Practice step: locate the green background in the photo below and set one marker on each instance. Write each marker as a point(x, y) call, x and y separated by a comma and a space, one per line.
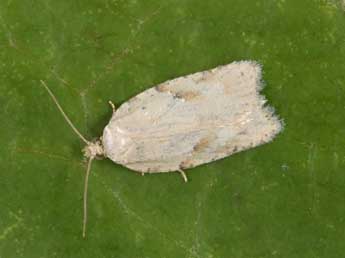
point(283, 199)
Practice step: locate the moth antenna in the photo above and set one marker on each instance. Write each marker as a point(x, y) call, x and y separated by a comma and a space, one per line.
point(63, 113)
point(85, 194)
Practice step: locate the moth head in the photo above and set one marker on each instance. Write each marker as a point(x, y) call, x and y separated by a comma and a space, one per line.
point(94, 150)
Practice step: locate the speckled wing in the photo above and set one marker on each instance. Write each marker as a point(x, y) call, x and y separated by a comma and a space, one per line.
point(191, 120)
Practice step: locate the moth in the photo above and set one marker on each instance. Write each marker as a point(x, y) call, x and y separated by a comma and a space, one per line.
point(185, 122)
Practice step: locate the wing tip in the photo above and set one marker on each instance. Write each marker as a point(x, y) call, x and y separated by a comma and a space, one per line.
point(277, 121)
point(267, 109)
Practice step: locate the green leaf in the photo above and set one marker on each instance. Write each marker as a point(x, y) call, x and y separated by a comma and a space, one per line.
point(283, 199)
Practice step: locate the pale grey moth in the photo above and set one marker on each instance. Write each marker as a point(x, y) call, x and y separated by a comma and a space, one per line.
point(185, 122)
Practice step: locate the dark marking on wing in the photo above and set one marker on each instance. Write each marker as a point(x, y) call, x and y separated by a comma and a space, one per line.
point(188, 163)
point(201, 145)
point(228, 149)
point(162, 88)
point(179, 94)
point(205, 75)
point(187, 95)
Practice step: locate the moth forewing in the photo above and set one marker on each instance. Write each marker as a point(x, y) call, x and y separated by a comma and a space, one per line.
point(191, 120)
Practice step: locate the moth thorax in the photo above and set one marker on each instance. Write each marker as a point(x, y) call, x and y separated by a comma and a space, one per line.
point(94, 149)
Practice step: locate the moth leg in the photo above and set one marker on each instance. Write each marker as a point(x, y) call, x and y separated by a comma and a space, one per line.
point(183, 174)
point(112, 106)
